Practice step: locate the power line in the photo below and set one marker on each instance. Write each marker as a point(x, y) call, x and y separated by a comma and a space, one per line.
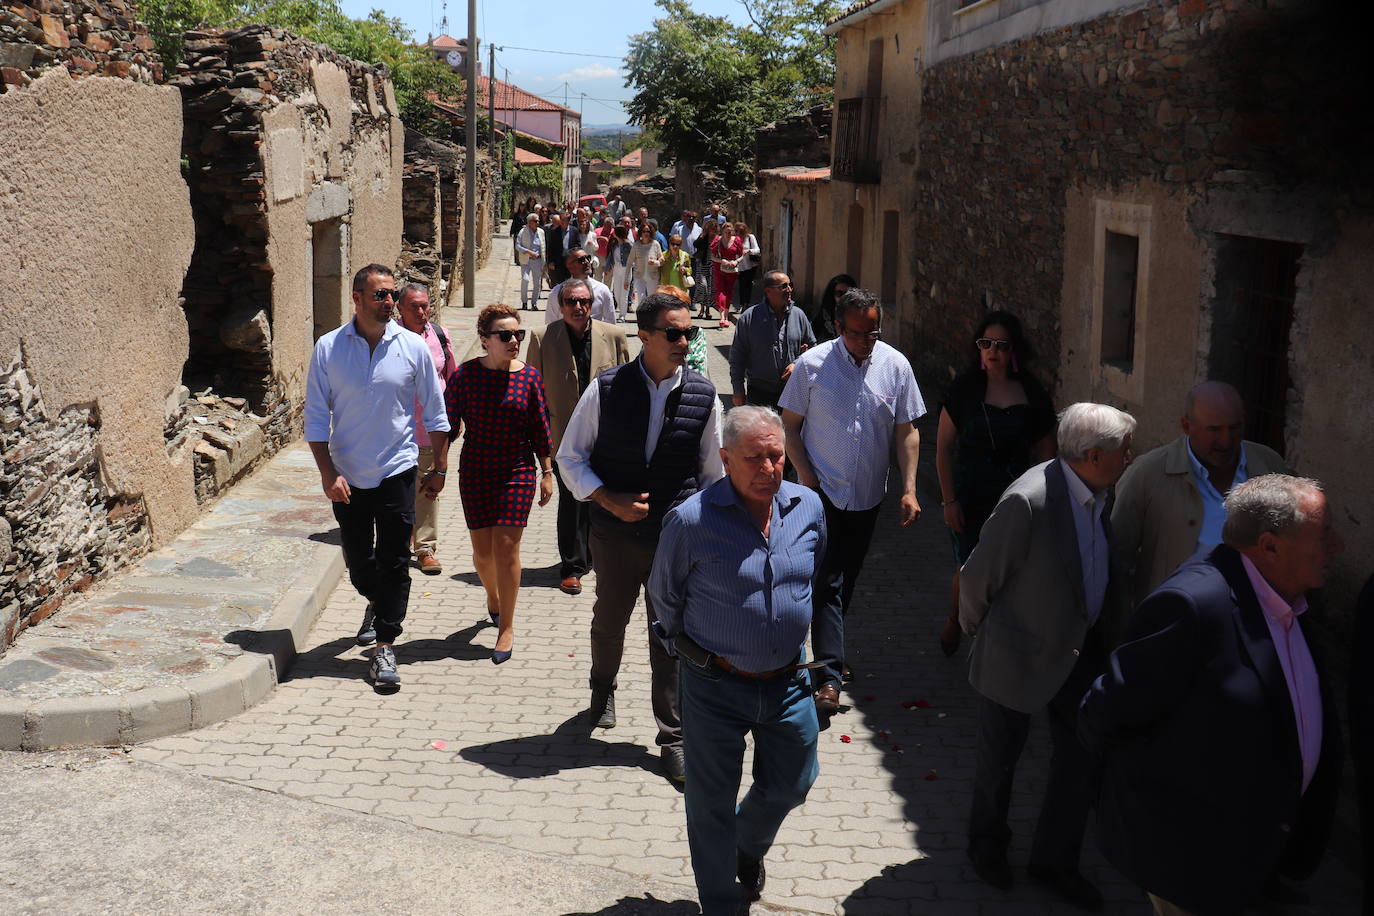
point(567, 53)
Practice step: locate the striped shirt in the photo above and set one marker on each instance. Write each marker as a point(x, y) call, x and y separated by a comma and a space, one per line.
point(739, 595)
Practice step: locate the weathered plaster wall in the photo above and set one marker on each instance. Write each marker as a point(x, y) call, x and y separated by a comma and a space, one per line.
point(1167, 358)
point(901, 31)
point(95, 235)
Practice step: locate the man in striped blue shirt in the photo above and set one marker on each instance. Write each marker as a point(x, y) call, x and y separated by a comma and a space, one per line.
point(732, 583)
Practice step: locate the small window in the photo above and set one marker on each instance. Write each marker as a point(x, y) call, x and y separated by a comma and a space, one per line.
point(1120, 266)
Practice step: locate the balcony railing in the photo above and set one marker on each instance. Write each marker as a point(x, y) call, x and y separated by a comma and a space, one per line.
point(856, 142)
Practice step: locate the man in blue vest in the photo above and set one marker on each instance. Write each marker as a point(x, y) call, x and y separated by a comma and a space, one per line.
point(644, 437)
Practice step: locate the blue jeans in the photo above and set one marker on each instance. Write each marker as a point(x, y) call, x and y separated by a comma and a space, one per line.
point(718, 710)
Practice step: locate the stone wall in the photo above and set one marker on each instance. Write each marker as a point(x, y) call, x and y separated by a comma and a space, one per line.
point(439, 175)
point(1190, 96)
point(801, 139)
point(95, 236)
point(61, 527)
point(88, 38)
point(294, 156)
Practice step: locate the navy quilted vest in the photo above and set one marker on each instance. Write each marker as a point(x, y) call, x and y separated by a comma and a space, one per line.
point(618, 456)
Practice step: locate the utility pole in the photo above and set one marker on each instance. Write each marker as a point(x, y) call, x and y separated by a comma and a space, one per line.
point(470, 167)
point(491, 102)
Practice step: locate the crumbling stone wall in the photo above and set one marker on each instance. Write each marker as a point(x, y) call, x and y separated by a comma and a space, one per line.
point(1191, 96)
point(294, 156)
point(61, 526)
point(95, 236)
point(799, 139)
point(438, 168)
point(88, 38)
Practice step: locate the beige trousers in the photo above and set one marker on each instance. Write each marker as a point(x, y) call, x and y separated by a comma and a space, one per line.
point(426, 534)
point(1165, 908)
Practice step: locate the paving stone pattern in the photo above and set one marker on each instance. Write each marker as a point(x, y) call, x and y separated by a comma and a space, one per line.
point(881, 833)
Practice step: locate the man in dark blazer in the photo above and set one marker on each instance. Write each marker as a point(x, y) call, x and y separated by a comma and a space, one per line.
point(1033, 594)
point(1222, 750)
point(570, 353)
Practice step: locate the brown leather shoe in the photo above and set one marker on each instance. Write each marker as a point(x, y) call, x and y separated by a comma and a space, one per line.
point(571, 586)
point(828, 699)
point(430, 565)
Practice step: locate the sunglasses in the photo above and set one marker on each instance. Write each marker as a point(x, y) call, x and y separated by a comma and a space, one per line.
point(676, 334)
point(381, 295)
point(507, 336)
point(859, 335)
point(585, 259)
point(987, 343)
point(577, 300)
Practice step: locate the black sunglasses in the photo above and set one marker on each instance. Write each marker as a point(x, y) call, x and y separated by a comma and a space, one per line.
point(676, 334)
point(577, 300)
point(987, 343)
point(381, 295)
point(586, 259)
point(506, 336)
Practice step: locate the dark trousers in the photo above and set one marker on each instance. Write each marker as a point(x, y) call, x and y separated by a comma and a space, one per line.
point(375, 526)
point(761, 397)
point(746, 287)
point(622, 563)
point(1002, 735)
point(847, 536)
point(574, 523)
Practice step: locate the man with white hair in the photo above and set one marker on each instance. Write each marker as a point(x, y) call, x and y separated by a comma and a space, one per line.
point(732, 586)
point(1033, 592)
point(529, 248)
point(1221, 744)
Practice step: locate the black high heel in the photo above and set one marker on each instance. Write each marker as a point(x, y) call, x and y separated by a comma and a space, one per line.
point(500, 658)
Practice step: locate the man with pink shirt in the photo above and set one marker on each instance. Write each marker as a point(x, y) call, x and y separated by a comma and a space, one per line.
point(414, 311)
point(1221, 745)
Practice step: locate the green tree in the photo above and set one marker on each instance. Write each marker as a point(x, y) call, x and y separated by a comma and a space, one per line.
point(377, 39)
point(704, 86)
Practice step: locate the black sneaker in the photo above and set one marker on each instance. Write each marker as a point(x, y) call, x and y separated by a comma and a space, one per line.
point(751, 874)
point(367, 633)
point(383, 669)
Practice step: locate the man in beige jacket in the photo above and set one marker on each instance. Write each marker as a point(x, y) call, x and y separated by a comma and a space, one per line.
point(570, 353)
point(1168, 503)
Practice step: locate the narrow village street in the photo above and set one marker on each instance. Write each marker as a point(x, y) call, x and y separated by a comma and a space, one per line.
point(479, 789)
point(358, 786)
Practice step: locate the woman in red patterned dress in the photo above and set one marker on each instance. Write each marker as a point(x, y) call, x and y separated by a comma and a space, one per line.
point(501, 399)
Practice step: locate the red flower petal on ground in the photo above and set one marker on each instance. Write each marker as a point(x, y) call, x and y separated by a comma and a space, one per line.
point(845, 738)
point(882, 734)
point(438, 745)
point(572, 655)
point(897, 748)
point(922, 704)
point(930, 777)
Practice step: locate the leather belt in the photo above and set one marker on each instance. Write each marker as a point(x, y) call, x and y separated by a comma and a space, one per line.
point(764, 675)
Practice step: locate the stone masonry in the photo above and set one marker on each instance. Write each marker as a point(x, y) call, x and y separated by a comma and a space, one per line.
point(60, 525)
point(88, 38)
point(1196, 95)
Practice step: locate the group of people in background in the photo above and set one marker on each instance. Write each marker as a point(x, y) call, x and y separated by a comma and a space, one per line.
point(1162, 635)
point(715, 260)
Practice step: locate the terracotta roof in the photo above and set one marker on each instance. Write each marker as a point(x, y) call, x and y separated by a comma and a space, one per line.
point(514, 98)
point(850, 10)
point(797, 173)
point(632, 160)
point(811, 175)
point(525, 157)
point(456, 112)
point(447, 42)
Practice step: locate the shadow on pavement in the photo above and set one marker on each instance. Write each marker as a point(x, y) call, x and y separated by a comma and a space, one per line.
point(570, 746)
point(648, 905)
point(331, 536)
point(546, 577)
point(457, 645)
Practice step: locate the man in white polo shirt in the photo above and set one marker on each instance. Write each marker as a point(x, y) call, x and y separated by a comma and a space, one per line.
point(846, 403)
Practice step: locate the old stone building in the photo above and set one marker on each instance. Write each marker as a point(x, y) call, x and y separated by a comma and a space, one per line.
point(1164, 191)
point(133, 274)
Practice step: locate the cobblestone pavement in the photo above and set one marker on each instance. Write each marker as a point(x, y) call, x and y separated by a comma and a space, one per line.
point(503, 753)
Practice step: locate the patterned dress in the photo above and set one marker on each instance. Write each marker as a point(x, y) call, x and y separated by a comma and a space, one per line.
point(507, 424)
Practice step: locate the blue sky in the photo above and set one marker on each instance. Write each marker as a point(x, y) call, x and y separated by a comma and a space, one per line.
point(595, 32)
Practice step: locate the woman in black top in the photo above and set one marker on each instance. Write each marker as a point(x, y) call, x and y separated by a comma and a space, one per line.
point(823, 321)
point(996, 422)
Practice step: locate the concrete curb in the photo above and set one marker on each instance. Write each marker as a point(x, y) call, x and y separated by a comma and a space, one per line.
point(155, 712)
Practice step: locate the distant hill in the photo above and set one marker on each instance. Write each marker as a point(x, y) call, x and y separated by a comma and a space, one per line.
point(593, 130)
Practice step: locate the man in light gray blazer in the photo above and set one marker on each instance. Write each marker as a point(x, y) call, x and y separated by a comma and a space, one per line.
point(1032, 593)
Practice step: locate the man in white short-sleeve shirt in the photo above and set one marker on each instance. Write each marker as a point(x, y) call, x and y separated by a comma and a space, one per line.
point(847, 402)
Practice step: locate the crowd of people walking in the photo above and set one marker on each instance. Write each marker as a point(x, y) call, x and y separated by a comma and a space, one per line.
point(1161, 632)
